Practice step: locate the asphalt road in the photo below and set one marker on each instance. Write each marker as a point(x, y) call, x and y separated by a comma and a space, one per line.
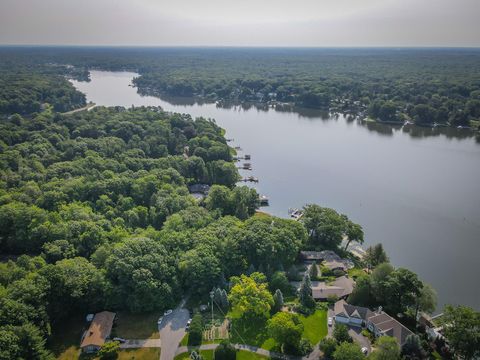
point(172, 331)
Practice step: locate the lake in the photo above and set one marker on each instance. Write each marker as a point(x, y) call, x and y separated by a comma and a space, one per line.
point(416, 190)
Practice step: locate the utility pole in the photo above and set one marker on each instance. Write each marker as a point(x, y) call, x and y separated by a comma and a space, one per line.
point(212, 294)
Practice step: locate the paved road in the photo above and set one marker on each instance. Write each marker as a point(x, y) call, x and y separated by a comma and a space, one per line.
point(172, 331)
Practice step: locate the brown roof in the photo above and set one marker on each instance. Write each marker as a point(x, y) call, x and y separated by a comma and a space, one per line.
point(391, 327)
point(99, 329)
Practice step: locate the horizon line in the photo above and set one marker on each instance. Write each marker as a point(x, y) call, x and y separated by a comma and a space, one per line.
point(247, 46)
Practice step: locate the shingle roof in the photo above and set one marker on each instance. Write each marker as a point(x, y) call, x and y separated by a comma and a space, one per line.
point(390, 326)
point(99, 329)
point(342, 286)
point(343, 308)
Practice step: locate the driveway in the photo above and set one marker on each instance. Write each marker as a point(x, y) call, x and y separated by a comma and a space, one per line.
point(356, 334)
point(353, 331)
point(172, 331)
point(331, 314)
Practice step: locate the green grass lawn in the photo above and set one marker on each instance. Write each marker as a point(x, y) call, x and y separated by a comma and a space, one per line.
point(208, 355)
point(139, 354)
point(65, 339)
point(137, 326)
point(251, 332)
point(315, 326)
point(247, 355)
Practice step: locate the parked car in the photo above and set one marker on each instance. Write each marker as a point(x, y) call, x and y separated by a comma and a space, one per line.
point(364, 350)
point(168, 312)
point(189, 322)
point(160, 320)
point(330, 321)
point(119, 339)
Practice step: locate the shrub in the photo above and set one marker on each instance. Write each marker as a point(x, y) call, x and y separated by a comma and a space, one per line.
point(225, 351)
point(196, 330)
point(109, 350)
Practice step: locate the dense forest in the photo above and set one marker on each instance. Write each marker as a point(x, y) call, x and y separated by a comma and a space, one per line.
point(99, 202)
point(95, 211)
point(425, 86)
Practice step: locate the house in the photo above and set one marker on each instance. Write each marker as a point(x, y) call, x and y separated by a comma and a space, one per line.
point(99, 330)
point(199, 191)
point(340, 288)
point(329, 258)
point(382, 324)
point(379, 323)
point(350, 314)
point(335, 265)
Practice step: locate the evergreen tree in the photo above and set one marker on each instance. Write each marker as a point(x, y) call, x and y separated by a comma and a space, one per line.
point(225, 303)
point(277, 301)
point(292, 273)
point(305, 293)
point(217, 297)
point(250, 270)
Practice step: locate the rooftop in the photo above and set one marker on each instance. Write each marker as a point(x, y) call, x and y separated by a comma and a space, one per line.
point(99, 329)
point(390, 326)
point(342, 308)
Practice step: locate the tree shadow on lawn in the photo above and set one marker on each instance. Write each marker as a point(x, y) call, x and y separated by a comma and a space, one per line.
point(251, 332)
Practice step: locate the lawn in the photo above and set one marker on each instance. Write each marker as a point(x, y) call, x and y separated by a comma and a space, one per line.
point(251, 332)
point(137, 326)
point(139, 354)
point(65, 339)
point(208, 355)
point(315, 326)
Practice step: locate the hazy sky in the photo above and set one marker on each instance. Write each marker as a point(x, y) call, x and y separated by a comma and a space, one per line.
point(241, 22)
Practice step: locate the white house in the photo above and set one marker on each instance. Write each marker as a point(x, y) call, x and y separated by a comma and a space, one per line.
point(351, 315)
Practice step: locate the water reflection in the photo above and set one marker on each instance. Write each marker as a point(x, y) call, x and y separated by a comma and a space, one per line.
point(316, 114)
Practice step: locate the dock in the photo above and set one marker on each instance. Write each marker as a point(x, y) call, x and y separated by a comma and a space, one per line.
point(263, 200)
point(249, 179)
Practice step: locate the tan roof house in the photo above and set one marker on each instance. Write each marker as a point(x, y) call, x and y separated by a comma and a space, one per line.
point(383, 324)
point(99, 330)
point(340, 288)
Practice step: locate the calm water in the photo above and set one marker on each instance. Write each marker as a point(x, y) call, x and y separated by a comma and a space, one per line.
point(415, 190)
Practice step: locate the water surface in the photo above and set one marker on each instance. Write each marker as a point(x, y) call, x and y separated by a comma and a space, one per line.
point(415, 190)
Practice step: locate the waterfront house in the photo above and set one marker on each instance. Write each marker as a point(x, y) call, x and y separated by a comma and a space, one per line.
point(351, 315)
point(382, 324)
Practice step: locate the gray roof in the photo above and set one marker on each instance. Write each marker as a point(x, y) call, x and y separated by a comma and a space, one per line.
point(342, 308)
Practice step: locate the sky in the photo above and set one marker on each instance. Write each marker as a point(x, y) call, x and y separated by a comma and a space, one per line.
point(241, 22)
